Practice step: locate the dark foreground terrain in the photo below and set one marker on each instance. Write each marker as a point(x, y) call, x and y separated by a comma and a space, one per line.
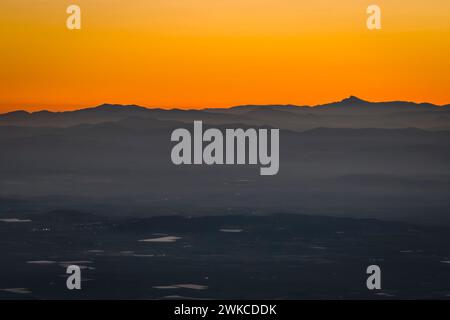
point(221, 257)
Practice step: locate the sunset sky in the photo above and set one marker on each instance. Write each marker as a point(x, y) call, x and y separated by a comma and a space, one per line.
point(219, 53)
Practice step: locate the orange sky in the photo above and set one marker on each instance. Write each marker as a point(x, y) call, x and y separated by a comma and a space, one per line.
point(218, 53)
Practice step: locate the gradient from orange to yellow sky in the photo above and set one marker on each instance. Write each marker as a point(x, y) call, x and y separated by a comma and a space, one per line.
point(219, 53)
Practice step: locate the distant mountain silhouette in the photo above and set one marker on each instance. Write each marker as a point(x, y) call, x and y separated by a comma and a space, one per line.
point(351, 112)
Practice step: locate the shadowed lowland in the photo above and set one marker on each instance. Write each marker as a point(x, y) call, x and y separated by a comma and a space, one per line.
point(221, 257)
point(358, 183)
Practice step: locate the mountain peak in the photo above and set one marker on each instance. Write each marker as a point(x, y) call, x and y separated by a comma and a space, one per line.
point(353, 99)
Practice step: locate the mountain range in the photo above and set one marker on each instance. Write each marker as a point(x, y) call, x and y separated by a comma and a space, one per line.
point(353, 158)
point(351, 112)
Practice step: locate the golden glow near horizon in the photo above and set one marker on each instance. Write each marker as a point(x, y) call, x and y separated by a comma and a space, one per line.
point(219, 53)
